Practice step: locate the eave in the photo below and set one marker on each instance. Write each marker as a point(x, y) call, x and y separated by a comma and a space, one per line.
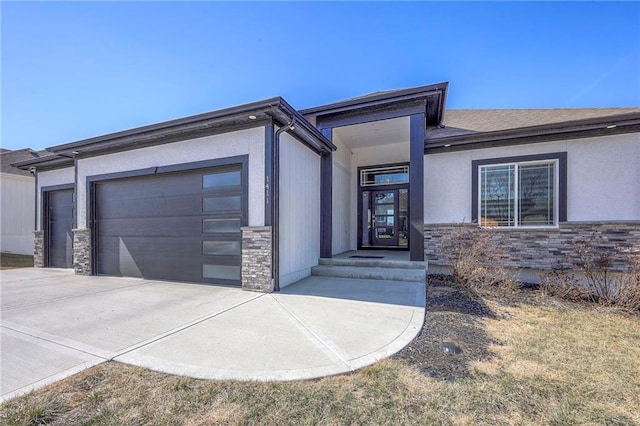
point(274, 110)
point(592, 127)
point(429, 100)
point(49, 162)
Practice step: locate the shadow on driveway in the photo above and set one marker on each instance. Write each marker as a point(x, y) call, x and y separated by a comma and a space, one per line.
point(374, 291)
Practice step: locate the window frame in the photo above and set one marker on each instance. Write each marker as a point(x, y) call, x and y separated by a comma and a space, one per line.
point(560, 194)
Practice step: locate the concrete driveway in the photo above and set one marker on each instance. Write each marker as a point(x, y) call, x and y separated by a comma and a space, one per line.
point(55, 323)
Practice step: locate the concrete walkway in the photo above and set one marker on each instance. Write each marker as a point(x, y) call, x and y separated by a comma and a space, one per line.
point(55, 324)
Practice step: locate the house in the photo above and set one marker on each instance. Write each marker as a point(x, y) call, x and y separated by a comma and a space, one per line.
point(17, 189)
point(255, 194)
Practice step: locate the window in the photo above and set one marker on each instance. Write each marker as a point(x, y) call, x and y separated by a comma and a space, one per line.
point(525, 191)
point(219, 179)
point(221, 204)
point(384, 175)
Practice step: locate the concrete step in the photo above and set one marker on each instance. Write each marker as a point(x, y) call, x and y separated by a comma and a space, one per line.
point(371, 273)
point(373, 263)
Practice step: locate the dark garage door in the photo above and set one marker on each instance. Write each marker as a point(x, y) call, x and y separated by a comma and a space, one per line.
point(174, 226)
point(58, 225)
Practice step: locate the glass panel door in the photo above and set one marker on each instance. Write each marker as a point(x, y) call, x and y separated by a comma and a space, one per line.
point(385, 220)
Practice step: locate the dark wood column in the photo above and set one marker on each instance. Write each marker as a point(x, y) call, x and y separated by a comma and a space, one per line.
point(326, 202)
point(416, 187)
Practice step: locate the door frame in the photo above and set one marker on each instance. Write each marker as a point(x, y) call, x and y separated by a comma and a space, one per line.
point(44, 201)
point(372, 188)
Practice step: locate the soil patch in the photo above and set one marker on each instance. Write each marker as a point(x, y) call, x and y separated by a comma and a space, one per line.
point(453, 319)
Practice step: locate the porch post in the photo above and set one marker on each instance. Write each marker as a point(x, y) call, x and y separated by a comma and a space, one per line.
point(416, 187)
point(326, 204)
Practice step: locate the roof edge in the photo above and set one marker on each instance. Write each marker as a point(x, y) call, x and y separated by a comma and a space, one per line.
point(43, 163)
point(309, 129)
point(238, 117)
point(616, 124)
point(413, 92)
point(176, 123)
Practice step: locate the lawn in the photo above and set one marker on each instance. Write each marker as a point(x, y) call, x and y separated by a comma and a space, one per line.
point(526, 359)
point(11, 261)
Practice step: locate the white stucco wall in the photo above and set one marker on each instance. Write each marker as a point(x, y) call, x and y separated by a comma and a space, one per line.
point(299, 210)
point(341, 203)
point(231, 144)
point(381, 154)
point(603, 178)
point(52, 178)
point(17, 200)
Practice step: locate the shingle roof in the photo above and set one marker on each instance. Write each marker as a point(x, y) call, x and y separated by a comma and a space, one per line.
point(9, 157)
point(467, 121)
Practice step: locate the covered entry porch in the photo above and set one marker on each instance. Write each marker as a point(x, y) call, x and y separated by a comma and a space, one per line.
point(372, 189)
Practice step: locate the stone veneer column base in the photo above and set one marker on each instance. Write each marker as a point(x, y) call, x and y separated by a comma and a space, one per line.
point(257, 258)
point(38, 249)
point(82, 251)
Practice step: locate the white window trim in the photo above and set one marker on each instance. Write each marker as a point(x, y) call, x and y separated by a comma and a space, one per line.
point(517, 164)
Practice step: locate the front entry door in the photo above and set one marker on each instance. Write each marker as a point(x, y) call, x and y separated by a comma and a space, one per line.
point(385, 218)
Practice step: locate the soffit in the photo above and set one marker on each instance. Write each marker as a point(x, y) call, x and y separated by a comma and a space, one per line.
point(375, 133)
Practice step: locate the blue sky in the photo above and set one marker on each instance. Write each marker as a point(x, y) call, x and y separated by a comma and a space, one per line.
point(75, 70)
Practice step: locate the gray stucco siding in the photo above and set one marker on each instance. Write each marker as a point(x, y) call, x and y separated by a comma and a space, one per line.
point(603, 177)
point(243, 142)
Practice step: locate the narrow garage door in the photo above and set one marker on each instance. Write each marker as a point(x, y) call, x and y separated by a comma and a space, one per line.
point(173, 226)
point(58, 225)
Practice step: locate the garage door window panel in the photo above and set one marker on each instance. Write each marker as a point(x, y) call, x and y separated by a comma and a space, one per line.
point(220, 226)
point(221, 248)
point(220, 204)
point(222, 179)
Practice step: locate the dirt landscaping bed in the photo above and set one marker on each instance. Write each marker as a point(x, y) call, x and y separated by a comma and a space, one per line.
point(513, 357)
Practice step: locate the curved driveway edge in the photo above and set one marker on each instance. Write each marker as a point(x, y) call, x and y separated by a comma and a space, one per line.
point(55, 323)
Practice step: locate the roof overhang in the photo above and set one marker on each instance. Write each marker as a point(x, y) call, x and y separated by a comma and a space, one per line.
point(429, 100)
point(49, 162)
point(26, 178)
point(576, 129)
point(274, 110)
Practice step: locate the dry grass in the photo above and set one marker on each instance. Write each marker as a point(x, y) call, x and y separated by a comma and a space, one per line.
point(552, 365)
point(12, 261)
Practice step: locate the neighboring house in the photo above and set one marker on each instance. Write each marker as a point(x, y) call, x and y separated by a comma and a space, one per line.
point(17, 189)
point(254, 195)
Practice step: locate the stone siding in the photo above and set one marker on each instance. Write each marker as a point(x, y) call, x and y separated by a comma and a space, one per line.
point(82, 251)
point(257, 259)
point(545, 248)
point(38, 249)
